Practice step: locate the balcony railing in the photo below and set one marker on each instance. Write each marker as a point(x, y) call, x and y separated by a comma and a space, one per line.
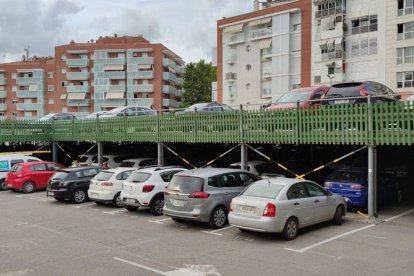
point(117, 88)
point(141, 102)
point(111, 75)
point(110, 61)
point(141, 60)
point(77, 88)
point(3, 107)
point(3, 81)
point(168, 89)
point(365, 29)
point(77, 75)
point(166, 62)
point(141, 75)
point(78, 102)
point(232, 59)
point(28, 94)
point(142, 88)
point(77, 62)
point(259, 33)
point(170, 103)
point(179, 69)
point(28, 80)
point(3, 94)
point(235, 38)
point(29, 106)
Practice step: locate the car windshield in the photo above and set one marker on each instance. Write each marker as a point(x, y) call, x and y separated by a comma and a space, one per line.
point(199, 106)
point(138, 177)
point(16, 168)
point(103, 176)
point(186, 184)
point(47, 117)
point(116, 110)
point(60, 175)
point(345, 90)
point(263, 189)
point(292, 97)
point(127, 164)
point(344, 176)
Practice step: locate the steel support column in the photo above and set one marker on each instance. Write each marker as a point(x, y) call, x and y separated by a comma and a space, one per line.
point(54, 151)
point(372, 183)
point(160, 152)
point(243, 157)
point(100, 153)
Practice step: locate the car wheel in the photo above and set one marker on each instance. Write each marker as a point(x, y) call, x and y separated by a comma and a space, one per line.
point(156, 206)
point(117, 202)
point(218, 217)
point(28, 187)
point(178, 220)
point(290, 231)
point(3, 185)
point(131, 208)
point(79, 196)
point(337, 219)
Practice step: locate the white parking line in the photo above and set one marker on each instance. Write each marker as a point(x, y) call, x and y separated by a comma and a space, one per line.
point(159, 221)
point(346, 233)
point(19, 196)
point(83, 205)
point(214, 232)
point(114, 212)
point(141, 266)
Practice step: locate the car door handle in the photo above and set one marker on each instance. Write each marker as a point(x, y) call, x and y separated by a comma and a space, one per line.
point(316, 201)
point(296, 203)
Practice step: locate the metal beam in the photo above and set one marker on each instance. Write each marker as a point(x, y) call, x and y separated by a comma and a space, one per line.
point(100, 153)
point(54, 151)
point(160, 151)
point(372, 184)
point(243, 157)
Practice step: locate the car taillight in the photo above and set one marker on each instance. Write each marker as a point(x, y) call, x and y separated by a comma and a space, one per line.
point(358, 186)
point(148, 188)
point(107, 184)
point(363, 92)
point(199, 195)
point(105, 165)
point(270, 210)
point(328, 184)
point(231, 206)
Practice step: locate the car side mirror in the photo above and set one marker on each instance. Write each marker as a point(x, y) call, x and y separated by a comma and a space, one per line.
point(328, 193)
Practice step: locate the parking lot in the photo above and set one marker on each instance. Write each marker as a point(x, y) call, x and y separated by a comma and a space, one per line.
point(41, 236)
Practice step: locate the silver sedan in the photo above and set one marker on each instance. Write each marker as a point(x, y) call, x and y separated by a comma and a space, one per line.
point(285, 205)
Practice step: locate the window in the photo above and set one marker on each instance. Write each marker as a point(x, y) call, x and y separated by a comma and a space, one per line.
point(331, 70)
point(83, 109)
point(365, 24)
point(123, 175)
point(248, 67)
point(314, 190)
point(52, 167)
point(405, 7)
point(405, 79)
point(51, 101)
point(297, 191)
point(405, 31)
point(167, 176)
point(14, 88)
point(364, 47)
point(14, 76)
point(14, 114)
point(63, 83)
point(63, 57)
point(14, 101)
point(248, 48)
point(50, 75)
point(247, 179)
point(405, 55)
point(296, 27)
point(317, 79)
point(50, 88)
point(38, 167)
point(214, 182)
point(16, 161)
point(89, 172)
point(229, 180)
point(63, 70)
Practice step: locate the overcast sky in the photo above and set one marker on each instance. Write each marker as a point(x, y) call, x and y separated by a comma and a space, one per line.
point(187, 27)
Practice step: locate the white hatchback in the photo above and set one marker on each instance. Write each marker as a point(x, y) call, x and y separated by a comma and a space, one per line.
point(106, 186)
point(145, 188)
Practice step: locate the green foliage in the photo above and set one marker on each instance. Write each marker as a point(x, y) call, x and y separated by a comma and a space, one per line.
point(197, 82)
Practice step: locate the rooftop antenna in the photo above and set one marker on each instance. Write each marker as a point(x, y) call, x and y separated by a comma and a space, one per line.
point(27, 52)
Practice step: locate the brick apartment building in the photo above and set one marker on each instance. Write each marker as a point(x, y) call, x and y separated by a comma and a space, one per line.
point(93, 76)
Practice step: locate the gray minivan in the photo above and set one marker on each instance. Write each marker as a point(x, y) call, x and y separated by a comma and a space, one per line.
point(204, 194)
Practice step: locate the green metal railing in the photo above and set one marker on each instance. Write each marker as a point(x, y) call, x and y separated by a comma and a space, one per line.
point(378, 124)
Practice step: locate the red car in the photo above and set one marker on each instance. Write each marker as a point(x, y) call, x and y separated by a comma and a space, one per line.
point(31, 176)
point(306, 96)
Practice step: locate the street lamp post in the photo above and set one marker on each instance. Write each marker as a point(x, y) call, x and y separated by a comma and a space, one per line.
point(330, 77)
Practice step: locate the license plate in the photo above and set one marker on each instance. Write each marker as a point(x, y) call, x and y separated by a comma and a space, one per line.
point(50, 193)
point(9, 185)
point(130, 200)
point(247, 209)
point(179, 203)
point(341, 101)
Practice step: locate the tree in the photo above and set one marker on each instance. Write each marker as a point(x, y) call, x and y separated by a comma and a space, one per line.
point(197, 82)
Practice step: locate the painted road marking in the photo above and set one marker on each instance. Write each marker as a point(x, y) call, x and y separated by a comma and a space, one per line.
point(114, 212)
point(214, 232)
point(347, 233)
point(159, 221)
point(18, 272)
point(83, 205)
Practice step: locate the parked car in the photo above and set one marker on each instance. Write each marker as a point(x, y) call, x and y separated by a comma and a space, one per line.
point(204, 194)
point(302, 97)
point(208, 107)
point(8, 161)
point(57, 116)
point(71, 183)
point(343, 93)
point(28, 177)
point(145, 188)
point(260, 168)
point(352, 183)
point(128, 111)
point(137, 163)
point(94, 115)
point(106, 186)
point(87, 160)
point(111, 161)
point(284, 205)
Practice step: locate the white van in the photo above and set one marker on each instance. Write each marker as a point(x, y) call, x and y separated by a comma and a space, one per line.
point(7, 161)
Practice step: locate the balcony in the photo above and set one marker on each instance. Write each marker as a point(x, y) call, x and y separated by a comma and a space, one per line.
point(267, 53)
point(115, 75)
point(141, 60)
point(110, 61)
point(260, 33)
point(28, 94)
point(141, 75)
point(110, 102)
point(78, 102)
point(3, 107)
point(141, 102)
point(3, 94)
point(166, 62)
point(77, 75)
point(169, 76)
point(77, 62)
point(3, 81)
point(117, 88)
point(180, 70)
point(170, 103)
point(235, 39)
point(28, 80)
point(77, 88)
point(168, 89)
point(142, 88)
point(267, 92)
point(29, 106)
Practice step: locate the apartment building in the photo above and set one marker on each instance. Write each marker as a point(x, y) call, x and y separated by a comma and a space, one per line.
point(93, 76)
point(263, 54)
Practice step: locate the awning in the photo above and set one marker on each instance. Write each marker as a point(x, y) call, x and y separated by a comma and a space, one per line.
point(76, 96)
point(338, 43)
point(63, 96)
point(324, 46)
point(234, 28)
point(260, 21)
point(114, 95)
point(265, 43)
point(330, 64)
point(144, 66)
point(115, 67)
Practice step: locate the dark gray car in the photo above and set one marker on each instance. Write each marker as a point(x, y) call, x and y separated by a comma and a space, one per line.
point(204, 194)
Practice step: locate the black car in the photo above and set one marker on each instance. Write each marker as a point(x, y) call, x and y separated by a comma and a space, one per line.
point(358, 92)
point(71, 183)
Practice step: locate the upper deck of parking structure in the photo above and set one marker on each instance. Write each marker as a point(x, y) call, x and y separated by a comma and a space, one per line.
point(361, 124)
